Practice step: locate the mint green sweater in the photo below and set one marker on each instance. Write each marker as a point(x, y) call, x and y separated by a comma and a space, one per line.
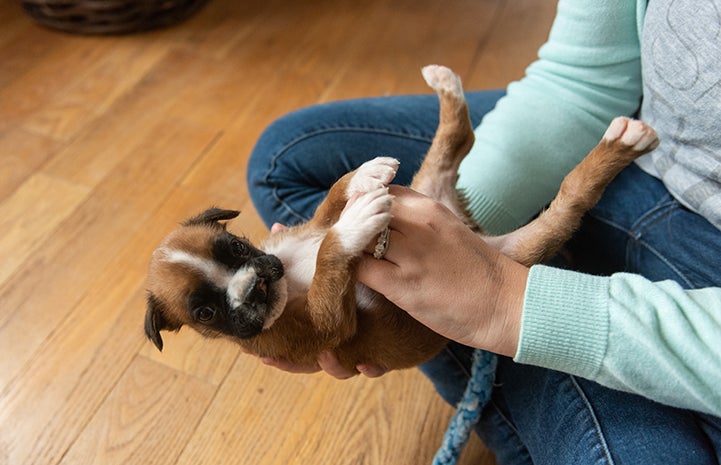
point(623, 331)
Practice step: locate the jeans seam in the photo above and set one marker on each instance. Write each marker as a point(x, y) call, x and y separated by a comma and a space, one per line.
point(596, 424)
point(663, 259)
point(308, 135)
point(507, 421)
point(649, 219)
point(458, 363)
point(641, 223)
point(654, 215)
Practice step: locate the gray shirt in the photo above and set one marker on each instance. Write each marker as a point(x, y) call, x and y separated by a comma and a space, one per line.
point(681, 60)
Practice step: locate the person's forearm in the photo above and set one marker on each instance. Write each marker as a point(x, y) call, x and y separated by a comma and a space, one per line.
point(626, 332)
point(588, 72)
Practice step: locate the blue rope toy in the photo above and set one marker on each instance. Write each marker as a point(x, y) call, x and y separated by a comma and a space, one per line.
point(477, 394)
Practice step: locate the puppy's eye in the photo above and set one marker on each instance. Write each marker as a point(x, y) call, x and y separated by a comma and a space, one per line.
point(205, 314)
point(239, 248)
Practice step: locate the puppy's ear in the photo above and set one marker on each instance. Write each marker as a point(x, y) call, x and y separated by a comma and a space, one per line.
point(212, 215)
point(155, 321)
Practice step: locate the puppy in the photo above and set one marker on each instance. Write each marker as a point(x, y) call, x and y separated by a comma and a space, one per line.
point(296, 294)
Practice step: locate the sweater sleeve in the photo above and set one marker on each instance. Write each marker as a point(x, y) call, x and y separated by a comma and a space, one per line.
point(587, 73)
point(626, 332)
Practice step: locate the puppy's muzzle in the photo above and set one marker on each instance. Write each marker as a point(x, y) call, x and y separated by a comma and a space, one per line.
point(248, 313)
point(268, 267)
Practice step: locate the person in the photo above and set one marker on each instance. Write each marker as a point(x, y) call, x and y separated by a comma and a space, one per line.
point(612, 356)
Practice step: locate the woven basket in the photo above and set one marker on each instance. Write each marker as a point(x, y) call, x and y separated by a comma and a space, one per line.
point(109, 16)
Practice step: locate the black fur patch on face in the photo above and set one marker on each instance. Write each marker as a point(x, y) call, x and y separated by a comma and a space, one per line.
point(233, 251)
point(208, 306)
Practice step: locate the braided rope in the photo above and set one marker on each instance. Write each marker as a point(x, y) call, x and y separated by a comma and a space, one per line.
point(477, 394)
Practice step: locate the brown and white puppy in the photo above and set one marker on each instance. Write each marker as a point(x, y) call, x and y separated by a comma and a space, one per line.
point(296, 294)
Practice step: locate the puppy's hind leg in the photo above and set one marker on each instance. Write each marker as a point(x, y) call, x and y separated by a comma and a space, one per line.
point(624, 141)
point(453, 139)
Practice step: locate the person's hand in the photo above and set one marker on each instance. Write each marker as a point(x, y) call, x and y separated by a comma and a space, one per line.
point(447, 277)
point(328, 362)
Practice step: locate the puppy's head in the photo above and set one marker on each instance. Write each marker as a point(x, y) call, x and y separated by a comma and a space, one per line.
point(203, 276)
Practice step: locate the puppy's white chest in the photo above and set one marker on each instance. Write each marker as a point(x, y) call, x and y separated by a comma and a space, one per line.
point(298, 255)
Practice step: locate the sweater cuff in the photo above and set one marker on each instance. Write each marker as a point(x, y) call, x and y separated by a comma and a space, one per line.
point(565, 321)
point(487, 213)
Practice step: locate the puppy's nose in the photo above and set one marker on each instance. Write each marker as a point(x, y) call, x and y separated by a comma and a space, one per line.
point(268, 267)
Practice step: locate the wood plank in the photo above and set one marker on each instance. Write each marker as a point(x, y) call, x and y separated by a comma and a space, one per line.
point(89, 94)
point(117, 209)
point(132, 426)
point(221, 26)
point(75, 367)
point(30, 215)
point(22, 44)
point(70, 375)
point(65, 61)
point(387, 60)
point(502, 58)
point(368, 429)
point(132, 121)
point(307, 425)
point(21, 154)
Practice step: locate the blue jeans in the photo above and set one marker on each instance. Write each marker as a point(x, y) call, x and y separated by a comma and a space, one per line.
point(535, 416)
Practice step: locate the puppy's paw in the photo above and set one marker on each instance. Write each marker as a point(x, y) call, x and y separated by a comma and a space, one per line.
point(373, 175)
point(442, 79)
point(361, 221)
point(634, 134)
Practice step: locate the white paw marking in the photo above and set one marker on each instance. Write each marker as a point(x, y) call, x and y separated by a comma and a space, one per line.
point(616, 128)
point(373, 175)
point(442, 79)
point(362, 221)
point(632, 133)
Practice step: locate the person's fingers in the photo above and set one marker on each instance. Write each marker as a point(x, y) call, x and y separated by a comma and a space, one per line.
point(395, 247)
point(328, 362)
point(277, 227)
point(371, 371)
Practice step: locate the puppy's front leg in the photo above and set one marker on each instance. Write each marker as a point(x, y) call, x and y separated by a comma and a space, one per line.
point(371, 175)
point(331, 297)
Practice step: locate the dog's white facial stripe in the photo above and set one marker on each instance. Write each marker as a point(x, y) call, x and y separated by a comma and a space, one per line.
point(240, 285)
point(212, 271)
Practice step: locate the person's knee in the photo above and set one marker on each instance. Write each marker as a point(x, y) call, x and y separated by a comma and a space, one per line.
point(276, 136)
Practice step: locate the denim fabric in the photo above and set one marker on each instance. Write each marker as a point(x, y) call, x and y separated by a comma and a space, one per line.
point(302, 154)
point(536, 416)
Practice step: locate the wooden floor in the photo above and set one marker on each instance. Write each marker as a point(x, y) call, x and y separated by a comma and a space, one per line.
point(107, 142)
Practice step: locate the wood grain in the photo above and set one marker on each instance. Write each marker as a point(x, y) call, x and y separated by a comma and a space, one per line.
point(107, 142)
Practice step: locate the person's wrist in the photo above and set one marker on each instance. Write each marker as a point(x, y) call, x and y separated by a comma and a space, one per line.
point(504, 326)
